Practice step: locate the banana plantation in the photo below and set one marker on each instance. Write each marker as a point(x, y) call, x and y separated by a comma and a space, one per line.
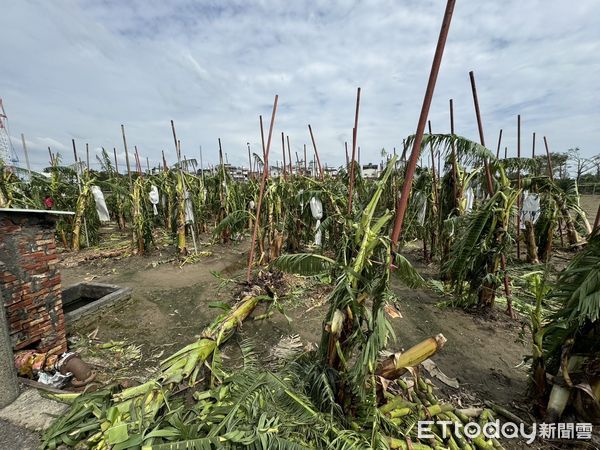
point(445, 298)
point(359, 387)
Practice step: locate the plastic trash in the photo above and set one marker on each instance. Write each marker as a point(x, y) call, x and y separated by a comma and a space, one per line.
point(56, 380)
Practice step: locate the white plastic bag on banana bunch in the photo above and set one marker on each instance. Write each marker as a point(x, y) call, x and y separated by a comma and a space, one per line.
point(316, 208)
point(189, 208)
point(101, 208)
point(530, 211)
point(154, 198)
point(421, 203)
point(469, 198)
point(300, 192)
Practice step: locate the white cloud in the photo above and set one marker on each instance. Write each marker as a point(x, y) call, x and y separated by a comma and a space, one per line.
point(79, 70)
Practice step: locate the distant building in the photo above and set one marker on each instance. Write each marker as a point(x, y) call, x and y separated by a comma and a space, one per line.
point(370, 171)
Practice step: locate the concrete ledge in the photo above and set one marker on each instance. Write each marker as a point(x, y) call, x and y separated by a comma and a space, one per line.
point(32, 411)
point(95, 296)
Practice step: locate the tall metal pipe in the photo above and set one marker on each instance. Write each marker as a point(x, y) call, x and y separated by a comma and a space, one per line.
point(402, 202)
point(354, 139)
point(488, 172)
point(262, 188)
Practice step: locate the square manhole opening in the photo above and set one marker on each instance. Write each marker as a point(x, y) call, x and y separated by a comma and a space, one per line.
point(82, 299)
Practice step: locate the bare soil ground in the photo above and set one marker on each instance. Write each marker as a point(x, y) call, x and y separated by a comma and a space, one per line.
point(170, 307)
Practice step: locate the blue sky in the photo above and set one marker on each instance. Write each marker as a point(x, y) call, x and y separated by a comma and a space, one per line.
point(80, 69)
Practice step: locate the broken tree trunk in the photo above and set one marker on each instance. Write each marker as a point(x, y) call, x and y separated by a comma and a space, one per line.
point(398, 363)
point(530, 242)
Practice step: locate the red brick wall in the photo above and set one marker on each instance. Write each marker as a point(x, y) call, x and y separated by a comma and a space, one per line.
point(30, 282)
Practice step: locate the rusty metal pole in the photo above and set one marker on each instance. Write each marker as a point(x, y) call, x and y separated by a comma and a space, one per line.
point(305, 162)
point(87, 156)
point(533, 153)
point(126, 154)
point(165, 168)
point(402, 202)
point(490, 187)
point(549, 160)
point(488, 173)
point(249, 162)
point(519, 186)
point(354, 139)
point(551, 175)
point(499, 143)
point(287, 138)
point(454, 161)
point(262, 188)
point(347, 157)
point(116, 161)
point(138, 164)
point(312, 138)
point(283, 150)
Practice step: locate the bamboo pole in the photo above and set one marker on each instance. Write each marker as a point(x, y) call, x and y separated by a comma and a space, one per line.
point(87, 156)
point(402, 202)
point(26, 154)
point(354, 139)
point(312, 138)
point(262, 188)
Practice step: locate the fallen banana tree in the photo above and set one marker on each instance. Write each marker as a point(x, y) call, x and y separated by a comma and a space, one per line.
point(119, 420)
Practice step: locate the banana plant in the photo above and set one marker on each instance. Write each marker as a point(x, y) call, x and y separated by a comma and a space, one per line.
point(482, 240)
